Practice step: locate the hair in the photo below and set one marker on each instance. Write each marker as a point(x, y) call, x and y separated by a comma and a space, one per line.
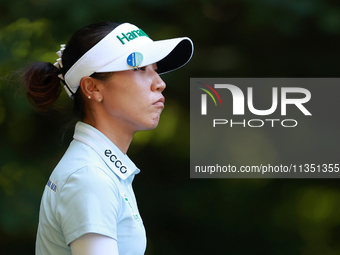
point(41, 79)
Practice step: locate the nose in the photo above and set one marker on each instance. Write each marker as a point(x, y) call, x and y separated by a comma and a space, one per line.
point(158, 84)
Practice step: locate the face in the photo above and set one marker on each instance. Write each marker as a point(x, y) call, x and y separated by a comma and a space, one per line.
point(133, 99)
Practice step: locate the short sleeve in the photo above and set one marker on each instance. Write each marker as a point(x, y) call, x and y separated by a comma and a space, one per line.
point(88, 203)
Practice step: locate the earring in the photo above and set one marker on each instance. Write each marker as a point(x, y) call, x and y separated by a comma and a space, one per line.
point(99, 100)
point(89, 97)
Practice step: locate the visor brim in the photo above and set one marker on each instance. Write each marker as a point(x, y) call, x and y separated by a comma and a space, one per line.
point(169, 55)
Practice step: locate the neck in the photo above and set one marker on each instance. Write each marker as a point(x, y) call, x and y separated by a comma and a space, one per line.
point(115, 132)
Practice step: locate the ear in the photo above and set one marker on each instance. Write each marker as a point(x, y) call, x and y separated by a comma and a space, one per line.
point(91, 88)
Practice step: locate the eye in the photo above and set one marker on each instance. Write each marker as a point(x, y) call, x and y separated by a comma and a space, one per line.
point(139, 68)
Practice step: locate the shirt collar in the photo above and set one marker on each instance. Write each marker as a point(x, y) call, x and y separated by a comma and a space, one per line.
point(114, 158)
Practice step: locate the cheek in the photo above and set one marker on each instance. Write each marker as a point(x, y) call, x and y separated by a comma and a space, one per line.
point(118, 98)
point(130, 106)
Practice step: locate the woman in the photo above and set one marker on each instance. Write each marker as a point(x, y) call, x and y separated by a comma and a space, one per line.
point(112, 72)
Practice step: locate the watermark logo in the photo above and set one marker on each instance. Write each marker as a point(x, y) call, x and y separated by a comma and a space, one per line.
point(239, 98)
point(280, 98)
point(204, 97)
point(264, 127)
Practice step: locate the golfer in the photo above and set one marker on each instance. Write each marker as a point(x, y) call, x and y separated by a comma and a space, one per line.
point(111, 71)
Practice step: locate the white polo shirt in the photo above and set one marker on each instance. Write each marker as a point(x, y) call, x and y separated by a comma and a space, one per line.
point(90, 192)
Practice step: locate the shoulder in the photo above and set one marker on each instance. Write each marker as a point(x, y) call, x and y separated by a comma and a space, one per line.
point(89, 187)
point(80, 162)
point(92, 177)
point(81, 171)
point(77, 156)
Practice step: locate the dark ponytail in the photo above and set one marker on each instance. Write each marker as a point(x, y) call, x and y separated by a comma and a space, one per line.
point(43, 85)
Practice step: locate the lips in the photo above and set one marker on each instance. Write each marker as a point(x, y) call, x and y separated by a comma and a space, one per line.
point(160, 102)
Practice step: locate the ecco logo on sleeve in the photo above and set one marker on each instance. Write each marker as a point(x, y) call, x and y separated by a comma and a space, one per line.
point(52, 186)
point(114, 159)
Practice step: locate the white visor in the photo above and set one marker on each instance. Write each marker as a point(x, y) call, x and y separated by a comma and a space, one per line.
point(128, 47)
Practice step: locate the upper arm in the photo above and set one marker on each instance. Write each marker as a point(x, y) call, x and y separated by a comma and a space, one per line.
point(94, 244)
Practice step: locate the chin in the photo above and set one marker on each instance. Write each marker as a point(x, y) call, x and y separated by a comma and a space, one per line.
point(149, 123)
point(149, 126)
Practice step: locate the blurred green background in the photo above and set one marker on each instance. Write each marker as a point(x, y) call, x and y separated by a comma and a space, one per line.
point(240, 38)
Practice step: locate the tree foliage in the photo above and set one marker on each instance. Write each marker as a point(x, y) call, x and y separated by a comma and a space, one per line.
point(235, 38)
